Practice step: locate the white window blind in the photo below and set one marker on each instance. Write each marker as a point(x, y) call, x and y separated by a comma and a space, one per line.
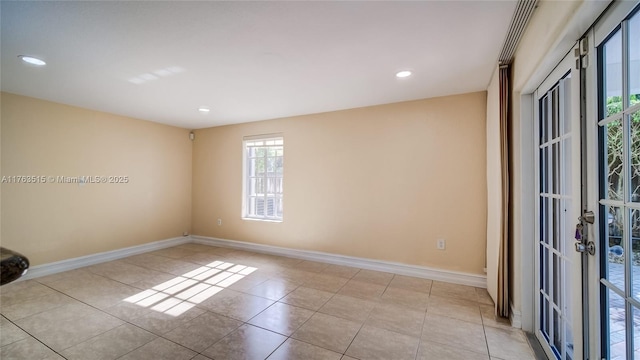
point(263, 177)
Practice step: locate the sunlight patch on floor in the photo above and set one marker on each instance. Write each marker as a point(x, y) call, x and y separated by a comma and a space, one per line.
point(182, 293)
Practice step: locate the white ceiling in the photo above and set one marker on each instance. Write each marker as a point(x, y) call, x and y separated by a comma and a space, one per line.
point(247, 61)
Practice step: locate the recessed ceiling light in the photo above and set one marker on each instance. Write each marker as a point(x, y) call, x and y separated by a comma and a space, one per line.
point(403, 73)
point(31, 60)
point(203, 109)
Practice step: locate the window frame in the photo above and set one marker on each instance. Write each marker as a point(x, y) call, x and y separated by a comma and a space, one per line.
point(247, 176)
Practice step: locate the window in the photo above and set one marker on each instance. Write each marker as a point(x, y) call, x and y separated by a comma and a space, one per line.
point(263, 176)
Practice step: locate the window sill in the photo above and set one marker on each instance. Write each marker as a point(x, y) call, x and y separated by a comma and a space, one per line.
point(262, 220)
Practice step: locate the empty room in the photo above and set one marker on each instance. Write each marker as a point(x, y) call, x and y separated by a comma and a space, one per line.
point(320, 180)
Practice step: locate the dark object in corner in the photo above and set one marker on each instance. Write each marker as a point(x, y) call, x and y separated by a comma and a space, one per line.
point(12, 265)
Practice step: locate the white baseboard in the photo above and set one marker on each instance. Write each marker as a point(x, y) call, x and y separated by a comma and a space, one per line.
point(515, 316)
point(362, 263)
point(71, 264)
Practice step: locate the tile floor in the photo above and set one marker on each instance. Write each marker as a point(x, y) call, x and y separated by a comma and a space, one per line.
point(201, 302)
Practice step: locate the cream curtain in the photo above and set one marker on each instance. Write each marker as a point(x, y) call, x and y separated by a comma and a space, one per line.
point(502, 301)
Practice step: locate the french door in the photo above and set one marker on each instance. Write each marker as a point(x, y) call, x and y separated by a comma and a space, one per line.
point(559, 280)
point(617, 43)
point(587, 300)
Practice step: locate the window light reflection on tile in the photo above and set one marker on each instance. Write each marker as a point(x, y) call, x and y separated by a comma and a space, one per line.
point(166, 305)
point(237, 268)
point(168, 284)
point(224, 266)
point(216, 279)
point(230, 280)
point(175, 296)
point(192, 291)
point(196, 272)
point(179, 309)
point(152, 299)
point(207, 274)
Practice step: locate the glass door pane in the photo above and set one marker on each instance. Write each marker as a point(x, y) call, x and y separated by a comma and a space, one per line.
point(619, 127)
point(556, 222)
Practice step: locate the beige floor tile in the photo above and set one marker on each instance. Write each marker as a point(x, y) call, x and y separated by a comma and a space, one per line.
point(28, 348)
point(434, 351)
point(221, 250)
point(311, 266)
point(463, 292)
point(294, 275)
point(362, 290)
point(457, 333)
point(160, 349)
point(273, 289)
point(349, 308)
point(328, 332)
point(373, 343)
point(325, 282)
point(104, 294)
point(127, 311)
point(248, 282)
point(484, 297)
point(371, 313)
point(246, 342)
point(203, 331)
point(346, 272)
point(162, 264)
point(293, 350)
point(16, 310)
point(397, 319)
point(20, 291)
point(236, 305)
point(311, 299)
point(413, 299)
point(282, 318)
point(153, 281)
point(204, 258)
point(196, 247)
point(201, 357)
point(374, 277)
point(9, 333)
point(68, 325)
point(160, 323)
point(124, 272)
point(73, 279)
point(175, 252)
point(285, 261)
point(411, 283)
point(240, 256)
point(508, 344)
point(489, 317)
point(111, 344)
point(455, 308)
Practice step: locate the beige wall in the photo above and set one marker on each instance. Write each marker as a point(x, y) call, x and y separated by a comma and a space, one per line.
point(494, 184)
point(51, 222)
point(380, 182)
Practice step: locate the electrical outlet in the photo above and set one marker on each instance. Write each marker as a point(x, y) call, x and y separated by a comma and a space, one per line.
point(219, 222)
point(440, 244)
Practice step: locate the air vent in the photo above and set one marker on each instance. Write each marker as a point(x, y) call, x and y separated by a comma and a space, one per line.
point(519, 22)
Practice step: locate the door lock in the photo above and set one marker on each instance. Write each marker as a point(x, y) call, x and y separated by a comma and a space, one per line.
point(588, 217)
point(582, 244)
